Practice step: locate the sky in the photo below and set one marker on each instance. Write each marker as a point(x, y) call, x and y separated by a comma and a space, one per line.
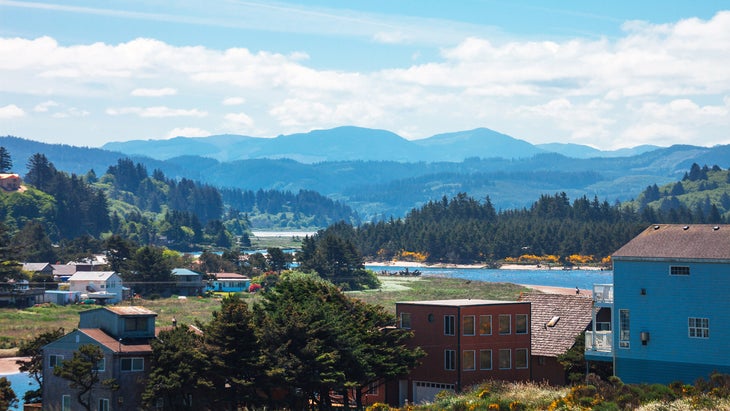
point(605, 74)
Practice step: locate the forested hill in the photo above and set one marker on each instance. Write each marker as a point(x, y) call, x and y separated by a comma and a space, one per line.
point(380, 189)
point(552, 230)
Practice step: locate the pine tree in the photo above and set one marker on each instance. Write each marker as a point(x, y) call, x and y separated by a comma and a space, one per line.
point(6, 162)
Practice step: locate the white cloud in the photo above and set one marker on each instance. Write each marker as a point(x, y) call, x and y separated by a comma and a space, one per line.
point(654, 80)
point(233, 101)
point(45, 106)
point(239, 118)
point(158, 111)
point(187, 132)
point(11, 111)
point(153, 92)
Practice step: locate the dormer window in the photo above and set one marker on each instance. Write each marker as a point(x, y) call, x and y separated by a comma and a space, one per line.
point(135, 324)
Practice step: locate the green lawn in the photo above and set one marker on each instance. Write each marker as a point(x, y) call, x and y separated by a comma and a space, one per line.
point(19, 325)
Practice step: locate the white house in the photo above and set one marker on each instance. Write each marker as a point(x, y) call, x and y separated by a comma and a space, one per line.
point(104, 286)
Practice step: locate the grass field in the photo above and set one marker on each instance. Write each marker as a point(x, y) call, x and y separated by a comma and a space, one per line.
point(20, 325)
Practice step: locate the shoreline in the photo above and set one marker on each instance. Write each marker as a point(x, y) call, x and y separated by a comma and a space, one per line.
point(8, 365)
point(533, 267)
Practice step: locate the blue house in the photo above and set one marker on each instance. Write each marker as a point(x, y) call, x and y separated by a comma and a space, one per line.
point(669, 306)
point(229, 282)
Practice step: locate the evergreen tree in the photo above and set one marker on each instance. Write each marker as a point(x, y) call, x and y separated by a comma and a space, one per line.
point(34, 245)
point(233, 351)
point(149, 270)
point(180, 371)
point(82, 372)
point(8, 398)
point(33, 349)
point(6, 162)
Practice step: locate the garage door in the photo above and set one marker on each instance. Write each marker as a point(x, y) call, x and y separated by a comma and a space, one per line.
point(424, 391)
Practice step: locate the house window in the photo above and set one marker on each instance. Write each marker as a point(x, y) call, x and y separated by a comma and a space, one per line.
point(679, 270)
point(699, 327)
point(505, 359)
point(135, 324)
point(485, 325)
point(103, 404)
point(132, 364)
point(54, 360)
point(469, 325)
point(448, 325)
point(405, 320)
point(521, 324)
point(449, 360)
point(372, 388)
point(521, 358)
point(66, 403)
point(603, 326)
point(624, 323)
point(101, 365)
point(505, 324)
point(468, 360)
point(485, 359)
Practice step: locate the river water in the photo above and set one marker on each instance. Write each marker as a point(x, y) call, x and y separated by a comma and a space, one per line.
point(583, 279)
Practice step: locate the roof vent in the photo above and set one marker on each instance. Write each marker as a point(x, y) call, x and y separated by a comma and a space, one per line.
point(656, 227)
point(715, 228)
point(685, 228)
point(553, 321)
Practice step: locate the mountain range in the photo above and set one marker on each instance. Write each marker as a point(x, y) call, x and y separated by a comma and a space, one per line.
point(355, 143)
point(380, 174)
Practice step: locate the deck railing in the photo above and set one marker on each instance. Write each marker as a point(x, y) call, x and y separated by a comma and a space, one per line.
point(599, 341)
point(603, 293)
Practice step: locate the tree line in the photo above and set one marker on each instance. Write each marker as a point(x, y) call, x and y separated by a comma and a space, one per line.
point(295, 347)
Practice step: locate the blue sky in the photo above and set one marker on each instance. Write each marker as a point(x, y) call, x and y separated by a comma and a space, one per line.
point(606, 74)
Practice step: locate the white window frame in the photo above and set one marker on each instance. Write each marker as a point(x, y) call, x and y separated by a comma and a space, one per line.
point(624, 326)
point(55, 360)
point(103, 404)
point(449, 326)
point(473, 325)
point(403, 323)
point(698, 327)
point(486, 354)
point(518, 353)
point(65, 402)
point(509, 359)
point(469, 356)
point(509, 324)
point(527, 324)
point(679, 270)
point(449, 360)
point(101, 365)
point(132, 361)
point(485, 319)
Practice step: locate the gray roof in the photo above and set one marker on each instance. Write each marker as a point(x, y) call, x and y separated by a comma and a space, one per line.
point(184, 271)
point(91, 276)
point(35, 267)
point(679, 241)
point(574, 314)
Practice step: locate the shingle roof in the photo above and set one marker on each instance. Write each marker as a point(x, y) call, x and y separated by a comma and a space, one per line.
point(128, 310)
point(35, 266)
point(184, 271)
point(63, 269)
point(574, 314)
point(677, 241)
point(115, 345)
point(230, 276)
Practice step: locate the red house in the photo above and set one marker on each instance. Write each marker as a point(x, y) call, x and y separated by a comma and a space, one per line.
point(467, 342)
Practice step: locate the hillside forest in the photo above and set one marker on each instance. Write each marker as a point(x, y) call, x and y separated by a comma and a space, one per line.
point(57, 210)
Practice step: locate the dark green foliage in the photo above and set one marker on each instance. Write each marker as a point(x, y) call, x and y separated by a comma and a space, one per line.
point(234, 353)
point(6, 162)
point(10, 268)
point(149, 271)
point(277, 259)
point(7, 395)
point(33, 244)
point(181, 371)
point(119, 252)
point(332, 254)
point(34, 364)
point(82, 373)
point(316, 340)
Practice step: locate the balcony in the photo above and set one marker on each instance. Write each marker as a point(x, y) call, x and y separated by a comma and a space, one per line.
point(603, 294)
point(599, 344)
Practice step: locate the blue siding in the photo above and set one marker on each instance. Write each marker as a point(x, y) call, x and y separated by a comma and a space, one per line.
point(663, 312)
